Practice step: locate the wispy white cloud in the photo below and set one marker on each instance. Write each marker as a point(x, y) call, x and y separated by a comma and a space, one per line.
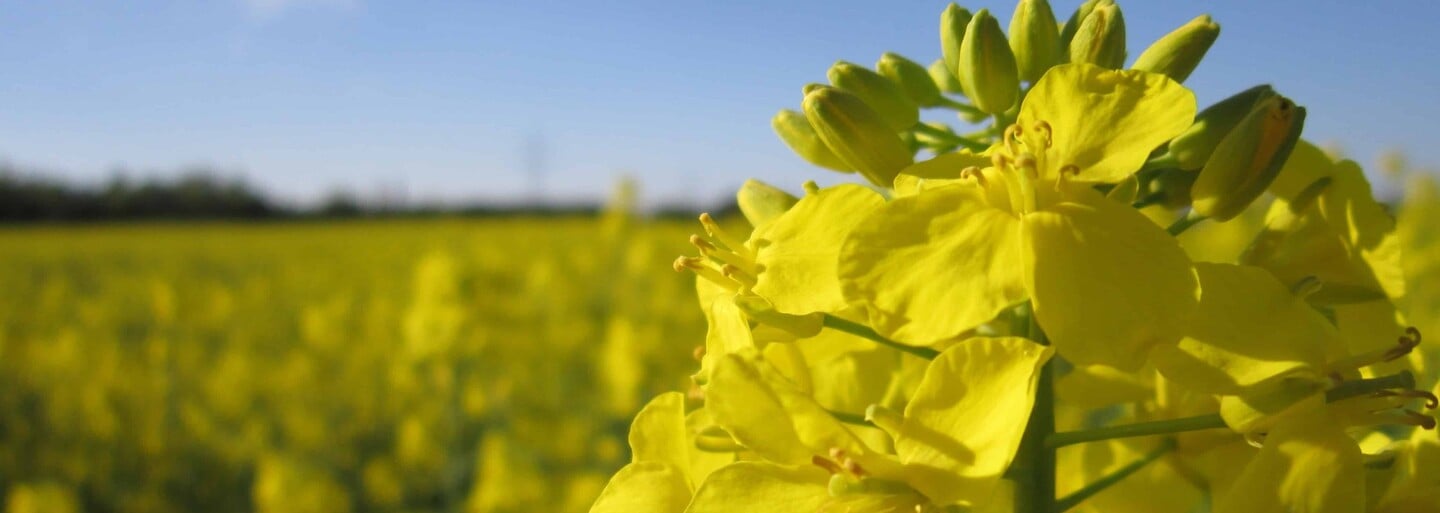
point(271, 8)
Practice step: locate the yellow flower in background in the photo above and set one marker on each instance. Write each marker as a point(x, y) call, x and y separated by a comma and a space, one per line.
point(932, 265)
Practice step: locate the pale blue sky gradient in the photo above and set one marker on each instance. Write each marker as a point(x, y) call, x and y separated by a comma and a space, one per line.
point(301, 96)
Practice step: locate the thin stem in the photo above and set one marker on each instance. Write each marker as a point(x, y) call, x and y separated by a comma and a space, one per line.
point(863, 331)
point(950, 137)
point(849, 418)
point(1074, 499)
point(1185, 223)
point(1158, 427)
point(1149, 199)
point(1033, 470)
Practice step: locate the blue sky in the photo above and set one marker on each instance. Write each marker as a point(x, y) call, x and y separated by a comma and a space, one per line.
point(301, 96)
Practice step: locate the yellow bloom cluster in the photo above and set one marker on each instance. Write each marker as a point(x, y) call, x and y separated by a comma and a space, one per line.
point(1022, 319)
point(426, 365)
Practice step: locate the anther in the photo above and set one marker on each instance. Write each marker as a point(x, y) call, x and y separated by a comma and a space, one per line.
point(701, 244)
point(828, 465)
point(1415, 418)
point(853, 468)
point(976, 173)
point(698, 353)
point(724, 239)
point(1069, 170)
point(1044, 127)
point(1011, 136)
point(1431, 402)
point(697, 266)
point(1406, 343)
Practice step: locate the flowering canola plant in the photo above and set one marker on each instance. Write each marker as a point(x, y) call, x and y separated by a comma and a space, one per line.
point(1018, 317)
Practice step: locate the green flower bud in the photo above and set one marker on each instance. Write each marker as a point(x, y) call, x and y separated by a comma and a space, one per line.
point(1248, 158)
point(1072, 25)
point(987, 67)
point(1193, 146)
point(1174, 186)
point(760, 202)
point(1034, 39)
point(857, 134)
point(1100, 39)
point(810, 87)
point(795, 130)
point(941, 75)
point(876, 91)
point(952, 34)
point(912, 78)
point(1178, 53)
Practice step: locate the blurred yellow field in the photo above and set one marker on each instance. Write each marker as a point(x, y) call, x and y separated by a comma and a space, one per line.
point(434, 365)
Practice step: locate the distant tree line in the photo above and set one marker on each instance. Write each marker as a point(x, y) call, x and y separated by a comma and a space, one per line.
point(204, 193)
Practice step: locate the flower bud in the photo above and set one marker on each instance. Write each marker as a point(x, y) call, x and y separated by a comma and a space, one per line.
point(952, 34)
point(795, 130)
point(760, 202)
point(912, 78)
point(810, 87)
point(1248, 158)
point(1100, 39)
point(1178, 53)
point(1034, 39)
point(941, 75)
point(987, 67)
point(878, 92)
point(1072, 25)
point(857, 134)
point(1173, 185)
point(1193, 146)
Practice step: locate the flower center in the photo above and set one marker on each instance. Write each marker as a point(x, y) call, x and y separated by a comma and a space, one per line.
point(1020, 162)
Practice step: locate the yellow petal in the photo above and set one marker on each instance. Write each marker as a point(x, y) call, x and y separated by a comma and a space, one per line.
point(1307, 163)
point(728, 333)
point(1107, 284)
point(747, 487)
point(1307, 465)
point(1366, 229)
point(1248, 328)
point(647, 486)
point(930, 266)
point(798, 251)
point(1094, 386)
point(1105, 122)
point(966, 418)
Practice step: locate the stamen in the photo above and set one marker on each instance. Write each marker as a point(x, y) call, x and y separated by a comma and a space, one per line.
point(697, 266)
point(1406, 343)
point(722, 256)
point(724, 239)
point(1012, 134)
point(738, 274)
point(698, 353)
point(1431, 402)
point(1044, 127)
point(828, 465)
point(1069, 170)
point(976, 173)
point(853, 468)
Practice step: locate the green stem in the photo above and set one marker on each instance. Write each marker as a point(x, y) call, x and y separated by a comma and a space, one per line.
point(863, 331)
point(1074, 499)
point(1149, 199)
point(1185, 223)
point(950, 137)
point(1033, 470)
point(850, 418)
point(1159, 427)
